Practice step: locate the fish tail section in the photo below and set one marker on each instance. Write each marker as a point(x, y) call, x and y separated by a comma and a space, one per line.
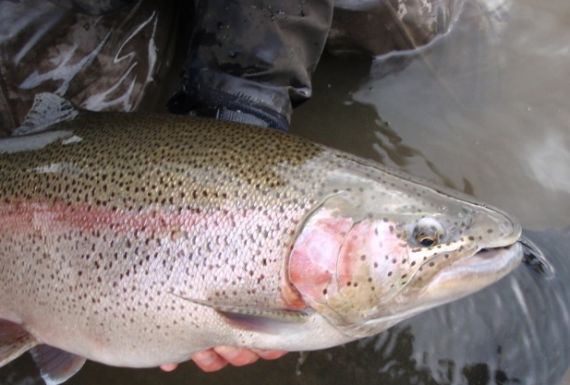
point(14, 341)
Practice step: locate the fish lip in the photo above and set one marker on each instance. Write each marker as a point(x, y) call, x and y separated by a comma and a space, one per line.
point(498, 260)
point(489, 252)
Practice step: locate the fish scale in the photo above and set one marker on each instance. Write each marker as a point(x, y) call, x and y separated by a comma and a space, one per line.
point(209, 219)
point(140, 239)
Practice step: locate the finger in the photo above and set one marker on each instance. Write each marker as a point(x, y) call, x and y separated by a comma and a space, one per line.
point(270, 354)
point(168, 367)
point(209, 360)
point(237, 356)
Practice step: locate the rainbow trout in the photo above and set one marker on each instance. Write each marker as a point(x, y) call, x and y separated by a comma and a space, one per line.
point(138, 239)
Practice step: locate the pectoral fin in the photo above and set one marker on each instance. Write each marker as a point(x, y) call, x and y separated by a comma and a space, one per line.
point(272, 321)
point(265, 321)
point(14, 341)
point(55, 365)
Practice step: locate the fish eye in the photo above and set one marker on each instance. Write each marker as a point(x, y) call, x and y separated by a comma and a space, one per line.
point(428, 232)
point(425, 240)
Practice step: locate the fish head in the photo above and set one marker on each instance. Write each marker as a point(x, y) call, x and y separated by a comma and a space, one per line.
point(380, 250)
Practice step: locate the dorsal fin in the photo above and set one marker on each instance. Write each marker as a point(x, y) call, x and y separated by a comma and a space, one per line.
point(47, 110)
point(14, 341)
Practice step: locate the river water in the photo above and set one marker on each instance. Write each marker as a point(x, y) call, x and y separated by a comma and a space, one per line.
point(486, 110)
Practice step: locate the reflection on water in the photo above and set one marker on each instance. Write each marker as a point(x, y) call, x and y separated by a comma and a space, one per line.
point(550, 162)
point(488, 104)
point(484, 110)
point(356, 127)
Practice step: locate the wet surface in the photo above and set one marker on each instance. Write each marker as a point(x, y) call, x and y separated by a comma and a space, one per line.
point(486, 108)
point(47, 48)
point(486, 111)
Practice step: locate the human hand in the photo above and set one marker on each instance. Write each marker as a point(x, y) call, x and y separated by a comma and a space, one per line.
point(216, 358)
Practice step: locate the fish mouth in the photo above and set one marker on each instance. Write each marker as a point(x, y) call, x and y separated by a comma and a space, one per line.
point(499, 256)
point(467, 275)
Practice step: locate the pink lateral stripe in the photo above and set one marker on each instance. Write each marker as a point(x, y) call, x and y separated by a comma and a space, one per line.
point(21, 215)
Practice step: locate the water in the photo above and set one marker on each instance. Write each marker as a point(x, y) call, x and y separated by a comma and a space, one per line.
point(484, 110)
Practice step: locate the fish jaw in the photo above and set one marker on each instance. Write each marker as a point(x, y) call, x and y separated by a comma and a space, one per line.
point(468, 275)
point(465, 277)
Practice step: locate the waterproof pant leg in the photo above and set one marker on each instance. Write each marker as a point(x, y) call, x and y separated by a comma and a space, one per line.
point(251, 60)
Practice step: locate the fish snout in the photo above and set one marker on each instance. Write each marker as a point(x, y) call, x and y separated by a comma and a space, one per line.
point(493, 228)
